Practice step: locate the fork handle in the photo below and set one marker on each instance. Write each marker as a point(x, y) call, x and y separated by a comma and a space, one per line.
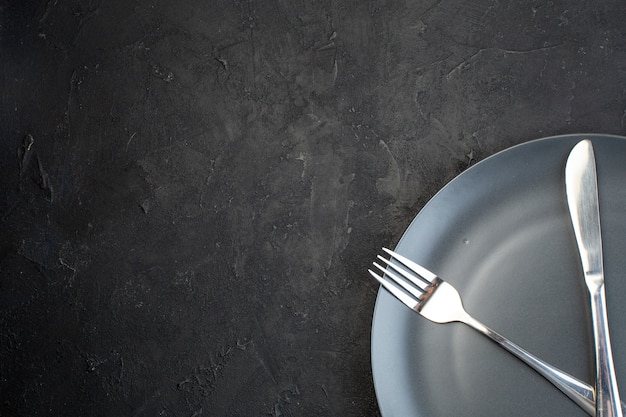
point(579, 392)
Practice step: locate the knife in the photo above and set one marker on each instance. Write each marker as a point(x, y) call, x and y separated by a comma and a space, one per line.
point(582, 197)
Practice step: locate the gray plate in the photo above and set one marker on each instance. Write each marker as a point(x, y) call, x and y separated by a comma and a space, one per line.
point(500, 233)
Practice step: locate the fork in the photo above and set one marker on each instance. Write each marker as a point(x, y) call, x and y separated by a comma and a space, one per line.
point(427, 294)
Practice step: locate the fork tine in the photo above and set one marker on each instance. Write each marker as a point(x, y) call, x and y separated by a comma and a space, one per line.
point(416, 292)
point(421, 283)
point(395, 290)
point(418, 269)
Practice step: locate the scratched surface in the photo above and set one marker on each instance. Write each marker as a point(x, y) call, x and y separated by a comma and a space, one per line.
point(192, 190)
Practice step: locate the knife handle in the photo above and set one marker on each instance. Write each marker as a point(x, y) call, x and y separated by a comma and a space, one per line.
point(607, 395)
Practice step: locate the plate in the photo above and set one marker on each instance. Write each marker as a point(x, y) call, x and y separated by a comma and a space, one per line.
point(501, 234)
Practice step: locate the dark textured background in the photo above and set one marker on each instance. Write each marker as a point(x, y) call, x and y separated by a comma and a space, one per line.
point(193, 190)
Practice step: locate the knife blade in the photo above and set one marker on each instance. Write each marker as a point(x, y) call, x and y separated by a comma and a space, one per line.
point(582, 197)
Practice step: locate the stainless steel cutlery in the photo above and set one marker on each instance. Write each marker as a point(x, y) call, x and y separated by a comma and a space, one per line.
point(582, 197)
point(438, 301)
